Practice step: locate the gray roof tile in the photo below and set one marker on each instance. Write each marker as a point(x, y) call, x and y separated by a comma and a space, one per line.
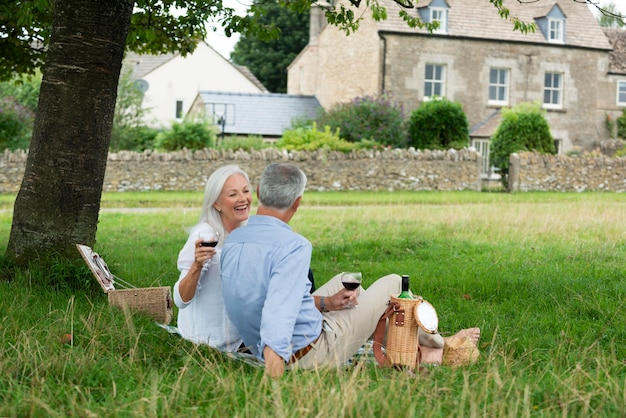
point(266, 114)
point(479, 19)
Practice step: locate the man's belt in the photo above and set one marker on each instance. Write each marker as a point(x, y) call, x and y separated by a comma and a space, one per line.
point(303, 351)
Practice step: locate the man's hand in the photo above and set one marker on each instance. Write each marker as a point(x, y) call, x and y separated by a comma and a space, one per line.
point(274, 364)
point(342, 299)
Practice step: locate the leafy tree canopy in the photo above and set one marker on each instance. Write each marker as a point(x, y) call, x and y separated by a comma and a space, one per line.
point(268, 59)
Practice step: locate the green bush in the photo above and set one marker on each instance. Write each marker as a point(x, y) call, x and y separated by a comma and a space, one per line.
point(523, 128)
point(310, 138)
point(190, 134)
point(133, 138)
point(16, 124)
point(621, 125)
point(438, 124)
point(246, 143)
point(367, 118)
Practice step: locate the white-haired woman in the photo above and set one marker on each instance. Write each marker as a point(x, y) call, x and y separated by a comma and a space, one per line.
point(197, 293)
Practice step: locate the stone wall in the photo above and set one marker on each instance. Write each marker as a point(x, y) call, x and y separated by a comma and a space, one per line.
point(588, 172)
point(359, 170)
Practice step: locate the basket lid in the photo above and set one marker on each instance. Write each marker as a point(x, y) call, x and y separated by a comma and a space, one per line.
point(426, 317)
point(98, 267)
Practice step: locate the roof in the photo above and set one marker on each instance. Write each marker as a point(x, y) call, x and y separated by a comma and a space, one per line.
point(486, 127)
point(266, 114)
point(479, 19)
point(144, 64)
point(617, 57)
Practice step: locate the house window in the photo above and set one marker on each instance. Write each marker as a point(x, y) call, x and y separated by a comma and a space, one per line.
point(555, 30)
point(553, 91)
point(440, 16)
point(179, 109)
point(499, 86)
point(621, 93)
point(434, 81)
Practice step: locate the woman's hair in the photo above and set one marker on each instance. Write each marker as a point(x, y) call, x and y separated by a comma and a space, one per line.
point(281, 184)
point(212, 191)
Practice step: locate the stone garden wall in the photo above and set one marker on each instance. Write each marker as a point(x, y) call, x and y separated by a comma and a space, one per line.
point(360, 170)
point(588, 172)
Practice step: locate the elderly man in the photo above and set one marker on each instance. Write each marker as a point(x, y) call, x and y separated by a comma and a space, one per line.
point(264, 267)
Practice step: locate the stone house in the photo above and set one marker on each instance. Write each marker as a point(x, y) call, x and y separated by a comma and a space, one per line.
point(171, 82)
point(476, 59)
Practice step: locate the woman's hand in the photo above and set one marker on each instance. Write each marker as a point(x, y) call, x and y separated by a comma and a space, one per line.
point(202, 254)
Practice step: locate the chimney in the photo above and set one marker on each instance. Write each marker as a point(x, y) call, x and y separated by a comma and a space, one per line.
point(317, 20)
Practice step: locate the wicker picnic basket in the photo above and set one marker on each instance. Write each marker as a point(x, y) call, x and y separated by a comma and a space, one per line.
point(154, 301)
point(402, 339)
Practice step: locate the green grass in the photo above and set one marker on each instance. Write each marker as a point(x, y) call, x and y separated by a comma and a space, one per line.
point(542, 274)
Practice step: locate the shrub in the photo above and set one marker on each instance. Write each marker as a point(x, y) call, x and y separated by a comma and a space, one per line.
point(438, 124)
point(16, 124)
point(367, 118)
point(246, 143)
point(190, 134)
point(523, 128)
point(621, 125)
point(133, 138)
point(310, 138)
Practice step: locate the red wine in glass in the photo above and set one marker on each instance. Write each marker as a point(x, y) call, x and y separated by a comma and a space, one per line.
point(350, 284)
point(352, 280)
point(208, 239)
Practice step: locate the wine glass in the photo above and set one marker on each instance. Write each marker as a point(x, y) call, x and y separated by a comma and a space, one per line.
point(351, 281)
point(209, 239)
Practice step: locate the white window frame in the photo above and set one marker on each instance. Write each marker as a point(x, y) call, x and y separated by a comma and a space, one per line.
point(179, 110)
point(435, 81)
point(499, 86)
point(621, 93)
point(556, 30)
point(439, 14)
point(553, 91)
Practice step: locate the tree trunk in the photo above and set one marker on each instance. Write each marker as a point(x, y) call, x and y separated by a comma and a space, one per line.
point(59, 199)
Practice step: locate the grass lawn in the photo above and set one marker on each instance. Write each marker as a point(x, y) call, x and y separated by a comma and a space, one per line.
point(542, 274)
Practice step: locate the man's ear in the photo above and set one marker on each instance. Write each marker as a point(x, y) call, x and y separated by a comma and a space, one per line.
point(296, 203)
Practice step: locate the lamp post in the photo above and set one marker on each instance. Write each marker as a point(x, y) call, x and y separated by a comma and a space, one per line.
point(222, 122)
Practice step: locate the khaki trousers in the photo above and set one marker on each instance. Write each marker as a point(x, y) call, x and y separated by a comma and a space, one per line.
point(345, 331)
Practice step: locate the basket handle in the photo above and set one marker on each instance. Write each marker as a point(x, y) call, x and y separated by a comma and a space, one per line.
point(379, 334)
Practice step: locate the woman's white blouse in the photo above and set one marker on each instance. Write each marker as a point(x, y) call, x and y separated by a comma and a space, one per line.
point(203, 319)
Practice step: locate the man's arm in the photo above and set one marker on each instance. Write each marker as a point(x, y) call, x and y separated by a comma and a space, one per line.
point(274, 364)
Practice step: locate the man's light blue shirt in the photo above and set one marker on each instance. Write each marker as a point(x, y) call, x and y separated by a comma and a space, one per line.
point(266, 289)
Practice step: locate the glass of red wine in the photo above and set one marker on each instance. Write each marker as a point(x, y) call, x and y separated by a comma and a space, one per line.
point(209, 239)
point(351, 281)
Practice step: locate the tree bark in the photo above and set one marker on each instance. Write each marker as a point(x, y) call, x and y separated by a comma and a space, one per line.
point(58, 203)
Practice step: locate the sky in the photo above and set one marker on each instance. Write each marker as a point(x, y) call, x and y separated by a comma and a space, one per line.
point(224, 45)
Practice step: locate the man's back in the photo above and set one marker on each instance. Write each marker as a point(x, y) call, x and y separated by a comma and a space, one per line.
point(266, 288)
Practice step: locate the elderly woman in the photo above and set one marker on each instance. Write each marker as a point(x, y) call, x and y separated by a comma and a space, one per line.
point(198, 292)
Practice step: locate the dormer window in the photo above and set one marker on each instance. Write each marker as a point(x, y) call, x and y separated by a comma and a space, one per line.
point(440, 16)
point(555, 30)
point(552, 25)
point(436, 11)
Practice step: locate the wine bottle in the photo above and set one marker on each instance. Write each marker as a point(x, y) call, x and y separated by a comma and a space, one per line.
point(406, 293)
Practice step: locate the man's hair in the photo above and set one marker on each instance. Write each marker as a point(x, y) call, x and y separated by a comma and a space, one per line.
point(281, 184)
